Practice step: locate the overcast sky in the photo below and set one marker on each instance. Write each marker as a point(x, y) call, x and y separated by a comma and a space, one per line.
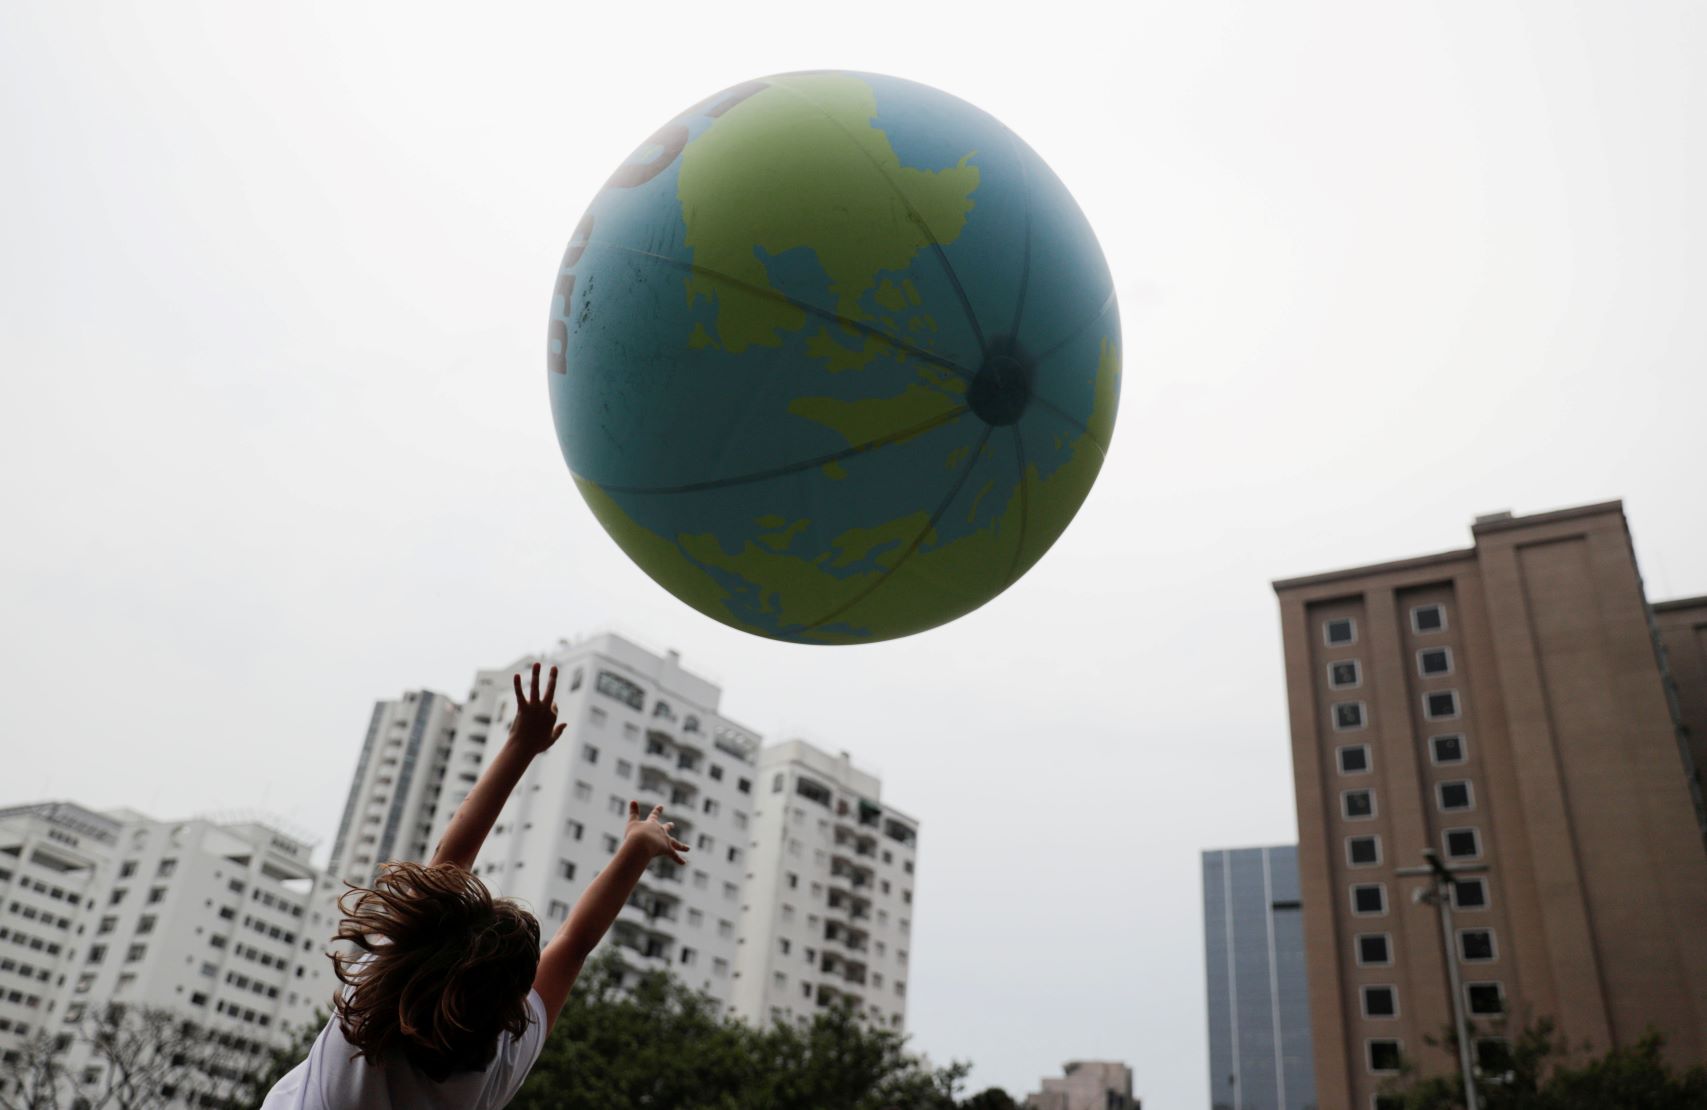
point(275, 438)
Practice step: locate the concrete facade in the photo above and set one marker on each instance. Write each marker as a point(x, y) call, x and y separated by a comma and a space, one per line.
point(222, 922)
point(1504, 706)
point(1086, 1085)
point(1258, 994)
point(827, 915)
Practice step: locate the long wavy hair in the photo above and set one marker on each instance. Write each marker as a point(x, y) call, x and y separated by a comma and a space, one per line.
point(444, 968)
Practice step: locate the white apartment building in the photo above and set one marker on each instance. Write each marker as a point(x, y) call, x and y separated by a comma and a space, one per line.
point(640, 726)
point(224, 923)
point(395, 790)
point(828, 911)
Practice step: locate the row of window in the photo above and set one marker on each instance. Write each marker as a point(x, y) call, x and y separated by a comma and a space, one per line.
point(1438, 705)
point(27, 940)
point(31, 913)
point(1443, 750)
point(28, 971)
point(1347, 674)
point(1370, 899)
point(1425, 619)
point(1475, 946)
point(1451, 796)
point(57, 893)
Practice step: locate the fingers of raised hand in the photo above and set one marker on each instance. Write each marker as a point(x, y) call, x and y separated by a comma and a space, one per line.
point(657, 811)
point(633, 810)
point(551, 687)
point(535, 696)
point(521, 699)
point(558, 731)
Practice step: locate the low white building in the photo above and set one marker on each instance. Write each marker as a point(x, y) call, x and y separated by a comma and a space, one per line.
point(828, 912)
point(224, 923)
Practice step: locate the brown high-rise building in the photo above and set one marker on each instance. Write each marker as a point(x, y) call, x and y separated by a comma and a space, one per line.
point(1682, 628)
point(1505, 706)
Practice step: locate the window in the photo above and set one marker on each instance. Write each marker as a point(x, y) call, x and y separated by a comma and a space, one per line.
point(715, 771)
point(1344, 674)
point(745, 786)
point(1383, 1056)
point(1462, 843)
point(777, 782)
point(166, 868)
point(565, 869)
point(617, 805)
point(1454, 795)
point(574, 828)
point(1348, 715)
point(127, 869)
point(1369, 898)
point(1440, 704)
point(145, 925)
point(1354, 759)
point(701, 880)
point(583, 791)
point(1493, 1056)
point(1380, 1002)
point(793, 880)
point(611, 843)
point(1434, 661)
point(1446, 749)
point(1469, 894)
point(1485, 998)
point(156, 895)
point(1373, 950)
point(1363, 851)
point(615, 686)
point(1476, 945)
point(135, 953)
point(696, 917)
point(1428, 618)
point(1342, 630)
point(576, 678)
point(1357, 805)
point(624, 769)
point(558, 909)
point(688, 957)
point(589, 753)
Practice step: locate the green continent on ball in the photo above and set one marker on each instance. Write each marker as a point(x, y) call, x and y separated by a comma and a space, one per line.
point(834, 357)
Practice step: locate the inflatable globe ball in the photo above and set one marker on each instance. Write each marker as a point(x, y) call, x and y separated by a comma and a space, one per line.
point(834, 357)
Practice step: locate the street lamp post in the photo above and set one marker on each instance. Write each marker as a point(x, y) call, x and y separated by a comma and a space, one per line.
point(1441, 898)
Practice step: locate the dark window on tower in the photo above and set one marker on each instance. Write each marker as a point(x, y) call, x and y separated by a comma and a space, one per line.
point(1476, 944)
point(1462, 843)
point(1428, 618)
point(1372, 949)
point(1340, 631)
point(1455, 795)
point(1354, 759)
point(1380, 1002)
point(1363, 851)
point(1485, 998)
point(1434, 661)
point(1447, 749)
point(1343, 674)
point(1358, 803)
point(1441, 703)
point(1469, 894)
point(1348, 715)
point(1369, 898)
point(1383, 1055)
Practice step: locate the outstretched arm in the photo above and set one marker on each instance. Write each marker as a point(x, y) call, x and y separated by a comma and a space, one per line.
point(534, 729)
point(560, 963)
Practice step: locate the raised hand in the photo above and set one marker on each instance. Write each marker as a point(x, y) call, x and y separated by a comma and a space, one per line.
point(653, 833)
point(535, 728)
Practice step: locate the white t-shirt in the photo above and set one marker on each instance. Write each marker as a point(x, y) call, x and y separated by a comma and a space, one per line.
point(331, 1080)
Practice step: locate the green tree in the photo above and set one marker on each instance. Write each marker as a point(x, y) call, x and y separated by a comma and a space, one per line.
point(991, 1098)
point(1536, 1073)
point(659, 1044)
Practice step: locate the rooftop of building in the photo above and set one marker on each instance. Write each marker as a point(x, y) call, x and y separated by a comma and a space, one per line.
point(1681, 603)
point(1483, 525)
